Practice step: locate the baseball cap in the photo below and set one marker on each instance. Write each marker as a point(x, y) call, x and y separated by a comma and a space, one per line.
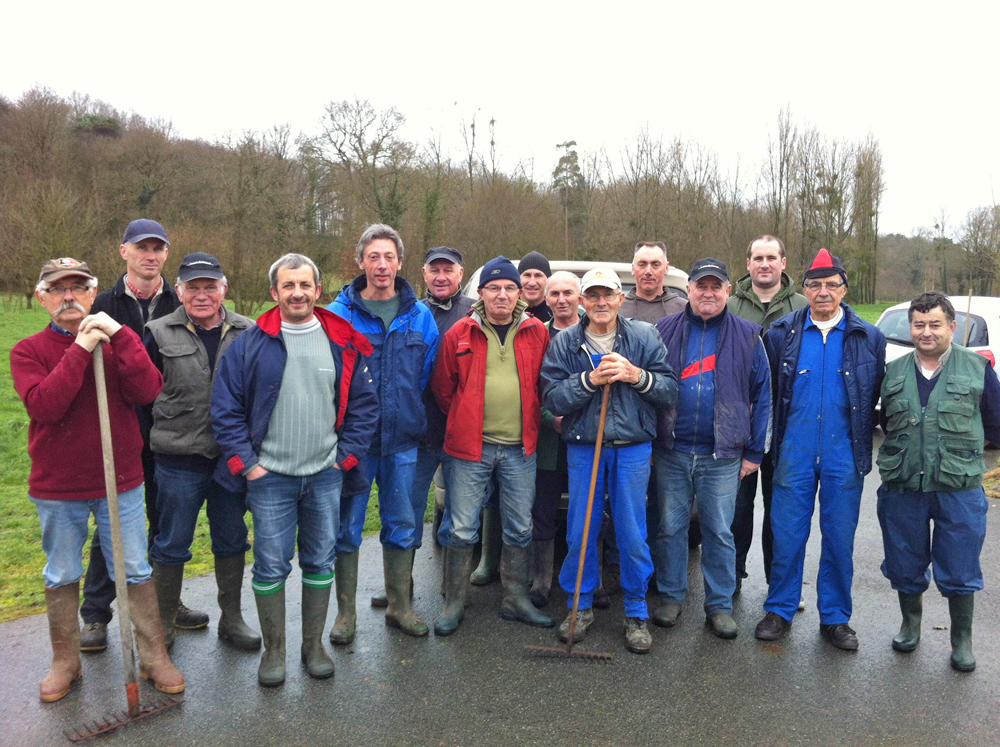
point(443, 252)
point(200, 265)
point(603, 277)
point(708, 266)
point(144, 228)
point(56, 269)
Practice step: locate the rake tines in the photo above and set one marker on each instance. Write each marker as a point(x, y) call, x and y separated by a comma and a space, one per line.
point(569, 653)
point(121, 718)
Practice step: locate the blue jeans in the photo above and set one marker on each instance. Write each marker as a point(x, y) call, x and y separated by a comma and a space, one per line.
point(65, 529)
point(181, 495)
point(713, 482)
point(394, 474)
point(953, 549)
point(428, 461)
point(624, 472)
point(283, 506)
point(467, 493)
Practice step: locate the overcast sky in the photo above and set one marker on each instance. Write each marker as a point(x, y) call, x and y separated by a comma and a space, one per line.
point(921, 77)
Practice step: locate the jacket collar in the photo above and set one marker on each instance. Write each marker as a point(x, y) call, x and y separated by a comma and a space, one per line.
point(352, 294)
point(797, 319)
point(478, 313)
point(712, 322)
point(744, 289)
point(336, 328)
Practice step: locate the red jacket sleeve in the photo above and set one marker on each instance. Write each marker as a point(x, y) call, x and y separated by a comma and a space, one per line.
point(140, 381)
point(444, 384)
point(47, 395)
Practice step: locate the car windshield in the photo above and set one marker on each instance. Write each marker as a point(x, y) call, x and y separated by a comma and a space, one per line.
point(895, 325)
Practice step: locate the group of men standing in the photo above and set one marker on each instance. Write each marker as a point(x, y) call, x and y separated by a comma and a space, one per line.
point(295, 416)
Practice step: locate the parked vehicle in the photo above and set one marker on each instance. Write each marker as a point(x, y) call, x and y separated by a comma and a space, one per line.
point(675, 279)
point(984, 323)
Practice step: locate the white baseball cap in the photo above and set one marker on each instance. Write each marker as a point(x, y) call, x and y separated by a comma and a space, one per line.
point(603, 277)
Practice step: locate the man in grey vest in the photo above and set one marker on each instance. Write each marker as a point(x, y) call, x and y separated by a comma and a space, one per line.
point(185, 345)
point(945, 398)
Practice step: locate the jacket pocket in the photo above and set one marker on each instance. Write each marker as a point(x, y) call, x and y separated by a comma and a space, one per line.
point(891, 457)
point(961, 460)
point(897, 412)
point(178, 349)
point(955, 417)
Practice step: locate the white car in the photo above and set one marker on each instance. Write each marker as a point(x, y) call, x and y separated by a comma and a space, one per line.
point(984, 314)
point(675, 279)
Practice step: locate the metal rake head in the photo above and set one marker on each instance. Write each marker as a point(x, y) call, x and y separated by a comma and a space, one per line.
point(121, 718)
point(566, 653)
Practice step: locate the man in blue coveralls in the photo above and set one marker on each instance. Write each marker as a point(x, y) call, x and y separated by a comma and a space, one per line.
point(383, 307)
point(940, 403)
point(827, 364)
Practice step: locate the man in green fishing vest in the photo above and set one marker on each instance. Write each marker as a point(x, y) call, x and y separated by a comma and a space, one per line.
point(939, 405)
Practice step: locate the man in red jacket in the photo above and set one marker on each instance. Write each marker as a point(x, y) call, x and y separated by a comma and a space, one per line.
point(54, 376)
point(486, 382)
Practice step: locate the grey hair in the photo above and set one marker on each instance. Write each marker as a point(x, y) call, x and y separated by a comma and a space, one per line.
point(562, 275)
point(223, 280)
point(377, 231)
point(293, 262)
point(45, 284)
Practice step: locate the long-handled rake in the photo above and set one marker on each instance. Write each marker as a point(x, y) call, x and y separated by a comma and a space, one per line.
point(135, 710)
point(568, 651)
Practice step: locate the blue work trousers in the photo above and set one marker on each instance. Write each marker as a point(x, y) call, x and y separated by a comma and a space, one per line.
point(624, 473)
point(397, 506)
point(953, 548)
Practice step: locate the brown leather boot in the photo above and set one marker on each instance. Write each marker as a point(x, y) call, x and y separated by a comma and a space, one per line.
point(61, 606)
point(154, 661)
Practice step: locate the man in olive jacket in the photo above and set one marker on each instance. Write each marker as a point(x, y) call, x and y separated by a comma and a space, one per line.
point(762, 296)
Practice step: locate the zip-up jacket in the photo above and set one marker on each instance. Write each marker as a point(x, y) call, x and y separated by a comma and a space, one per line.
point(248, 381)
point(632, 408)
point(458, 306)
point(725, 382)
point(863, 370)
point(459, 382)
point(746, 305)
point(400, 364)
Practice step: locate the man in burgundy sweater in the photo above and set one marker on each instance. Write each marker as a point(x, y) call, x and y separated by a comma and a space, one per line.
point(53, 374)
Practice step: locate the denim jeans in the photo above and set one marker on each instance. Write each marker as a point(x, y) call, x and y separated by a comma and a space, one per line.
point(467, 493)
point(394, 475)
point(713, 482)
point(65, 528)
point(181, 495)
point(283, 506)
point(624, 473)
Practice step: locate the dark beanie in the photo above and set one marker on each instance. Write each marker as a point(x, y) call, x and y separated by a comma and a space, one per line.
point(534, 261)
point(825, 265)
point(500, 268)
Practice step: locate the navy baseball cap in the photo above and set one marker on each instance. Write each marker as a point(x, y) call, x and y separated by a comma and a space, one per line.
point(144, 228)
point(708, 266)
point(200, 265)
point(443, 252)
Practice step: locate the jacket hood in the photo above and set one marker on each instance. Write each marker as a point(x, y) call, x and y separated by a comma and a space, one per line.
point(744, 289)
point(339, 330)
point(668, 292)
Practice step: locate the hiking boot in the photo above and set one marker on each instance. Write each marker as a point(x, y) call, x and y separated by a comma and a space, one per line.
point(542, 555)
point(961, 608)
point(61, 605)
point(232, 627)
point(723, 625)
point(457, 564)
point(398, 568)
point(315, 604)
point(516, 604)
point(488, 570)
point(154, 661)
point(94, 637)
point(584, 619)
point(912, 607)
point(188, 619)
point(345, 578)
point(666, 613)
point(841, 635)
point(271, 613)
point(638, 639)
point(168, 580)
point(772, 627)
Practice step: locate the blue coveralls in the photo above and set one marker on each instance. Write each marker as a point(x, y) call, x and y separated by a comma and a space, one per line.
point(816, 449)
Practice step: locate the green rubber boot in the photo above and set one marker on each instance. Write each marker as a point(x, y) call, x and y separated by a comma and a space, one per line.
point(515, 571)
point(489, 560)
point(271, 613)
point(168, 580)
point(543, 554)
point(961, 608)
point(912, 607)
point(345, 577)
point(457, 564)
point(232, 627)
point(398, 565)
point(315, 603)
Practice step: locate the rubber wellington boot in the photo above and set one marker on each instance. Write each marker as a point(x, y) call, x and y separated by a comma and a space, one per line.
point(516, 605)
point(232, 627)
point(398, 565)
point(154, 661)
point(315, 603)
point(457, 564)
point(61, 606)
point(345, 577)
point(961, 608)
point(912, 607)
point(543, 554)
point(168, 580)
point(271, 612)
point(489, 560)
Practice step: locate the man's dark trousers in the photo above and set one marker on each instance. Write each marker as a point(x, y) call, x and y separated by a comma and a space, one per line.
point(743, 518)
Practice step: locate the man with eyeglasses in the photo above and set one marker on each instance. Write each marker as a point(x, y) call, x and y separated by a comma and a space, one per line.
point(486, 382)
point(827, 364)
point(650, 300)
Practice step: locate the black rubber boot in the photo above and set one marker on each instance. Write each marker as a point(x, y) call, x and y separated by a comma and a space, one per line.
point(271, 612)
point(232, 627)
point(168, 580)
point(489, 560)
point(543, 554)
point(912, 607)
point(345, 577)
point(315, 603)
point(398, 565)
point(457, 565)
point(961, 608)
point(516, 605)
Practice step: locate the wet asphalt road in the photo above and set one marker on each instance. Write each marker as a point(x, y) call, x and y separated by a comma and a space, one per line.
point(480, 687)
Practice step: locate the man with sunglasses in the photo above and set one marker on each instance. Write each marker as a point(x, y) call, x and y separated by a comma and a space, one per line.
point(827, 364)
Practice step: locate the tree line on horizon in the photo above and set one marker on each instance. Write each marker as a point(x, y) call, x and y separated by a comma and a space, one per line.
point(74, 171)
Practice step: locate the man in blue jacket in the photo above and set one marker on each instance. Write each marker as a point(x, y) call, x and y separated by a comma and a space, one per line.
point(605, 349)
point(716, 436)
point(827, 364)
point(383, 307)
point(278, 389)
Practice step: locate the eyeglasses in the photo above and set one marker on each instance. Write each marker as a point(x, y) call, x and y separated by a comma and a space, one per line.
point(815, 285)
point(593, 296)
point(497, 288)
point(60, 290)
